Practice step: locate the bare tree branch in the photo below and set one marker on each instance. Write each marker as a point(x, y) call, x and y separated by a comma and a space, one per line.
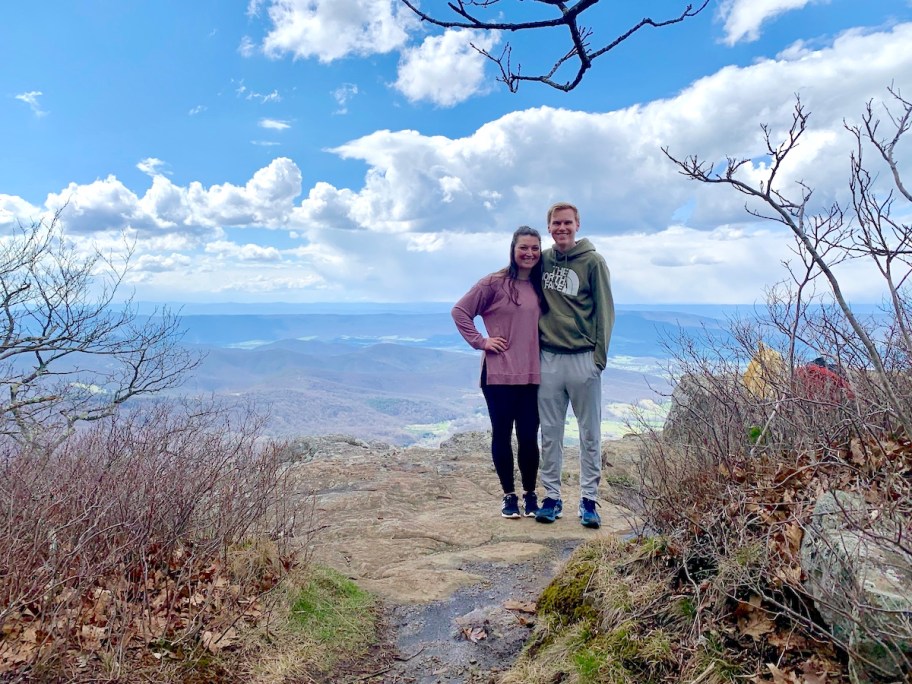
point(68, 351)
point(468, 14)
point(870, 219)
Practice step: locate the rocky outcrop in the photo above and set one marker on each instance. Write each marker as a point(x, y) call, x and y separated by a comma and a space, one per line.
point(696, 401)
point(861, 583)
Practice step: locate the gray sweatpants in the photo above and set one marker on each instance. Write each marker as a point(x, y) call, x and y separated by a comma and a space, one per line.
point(572, 379)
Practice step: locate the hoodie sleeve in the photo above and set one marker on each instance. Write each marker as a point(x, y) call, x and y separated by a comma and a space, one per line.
point(604, 311)
point(474, 303)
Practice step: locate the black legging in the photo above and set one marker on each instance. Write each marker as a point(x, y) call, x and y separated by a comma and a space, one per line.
point(509, 405)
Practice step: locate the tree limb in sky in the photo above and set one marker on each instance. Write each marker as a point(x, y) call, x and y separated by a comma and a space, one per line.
point(584, 48)
point(68, 351)
point(872, 228)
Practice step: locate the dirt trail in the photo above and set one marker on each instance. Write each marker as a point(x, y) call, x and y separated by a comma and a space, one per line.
point(421, 528)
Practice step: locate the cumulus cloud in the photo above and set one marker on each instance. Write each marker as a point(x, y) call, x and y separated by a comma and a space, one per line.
point(331, 29)
point(445, 69)
point(743, 18)
point(16, 210)
point(611, 163)
point(267, 199)
point(160, 263)
point(434, 212)
point(248, 252)
point(31, 99)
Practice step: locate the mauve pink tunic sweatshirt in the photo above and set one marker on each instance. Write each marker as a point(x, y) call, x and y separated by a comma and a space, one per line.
point(518, 324)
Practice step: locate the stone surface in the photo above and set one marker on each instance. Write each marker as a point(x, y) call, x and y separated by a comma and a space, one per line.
point(861, 585)
point(422, 529)
point(404, 522)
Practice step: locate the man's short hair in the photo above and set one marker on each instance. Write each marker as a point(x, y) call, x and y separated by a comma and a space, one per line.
point(562, 205)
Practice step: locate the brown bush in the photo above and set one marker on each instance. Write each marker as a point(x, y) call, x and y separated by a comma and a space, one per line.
point(119, 548)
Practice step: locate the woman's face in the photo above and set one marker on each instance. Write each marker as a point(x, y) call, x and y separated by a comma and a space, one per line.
point(527, 252)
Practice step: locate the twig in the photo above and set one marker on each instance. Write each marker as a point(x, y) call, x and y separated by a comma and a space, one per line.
point(408, 658)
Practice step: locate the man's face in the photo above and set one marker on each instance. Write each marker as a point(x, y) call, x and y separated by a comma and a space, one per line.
point(563, 229)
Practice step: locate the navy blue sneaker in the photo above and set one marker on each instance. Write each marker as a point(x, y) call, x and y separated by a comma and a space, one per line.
point(530, 504)
point(589, 517)
point(510, 507)
point(551, 510)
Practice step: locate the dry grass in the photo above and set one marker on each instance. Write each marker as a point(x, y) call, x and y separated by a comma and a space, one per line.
point(142, 544)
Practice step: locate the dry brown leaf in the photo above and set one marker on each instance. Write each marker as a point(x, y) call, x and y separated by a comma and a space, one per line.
point(794, 534)
point(474, 634)
point(756, 626)
point(91, 637)
point(781, 676)
point(752, 619)
point(219, 641)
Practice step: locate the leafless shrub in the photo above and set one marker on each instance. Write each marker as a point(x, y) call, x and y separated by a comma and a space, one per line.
point(140, 538)
point(735, 481)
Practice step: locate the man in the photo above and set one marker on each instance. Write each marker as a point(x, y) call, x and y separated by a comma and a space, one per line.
point(574, 334)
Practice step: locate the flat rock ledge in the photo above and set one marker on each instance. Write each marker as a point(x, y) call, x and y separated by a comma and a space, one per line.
point(406, 522)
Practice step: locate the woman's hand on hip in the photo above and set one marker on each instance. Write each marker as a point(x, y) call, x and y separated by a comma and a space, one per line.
point(498, 345)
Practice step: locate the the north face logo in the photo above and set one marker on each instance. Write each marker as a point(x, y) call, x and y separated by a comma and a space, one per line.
point(563, 280)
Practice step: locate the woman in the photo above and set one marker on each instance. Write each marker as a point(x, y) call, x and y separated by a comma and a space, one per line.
point(510, 302)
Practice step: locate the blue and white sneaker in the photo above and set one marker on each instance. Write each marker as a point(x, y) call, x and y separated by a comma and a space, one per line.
point(530, 504)
point(551, 510)
point(589, 517)
point(510, 507)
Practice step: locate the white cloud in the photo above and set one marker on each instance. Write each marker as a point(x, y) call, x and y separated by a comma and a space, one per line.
point(332, 29)
point(243, 91)
point(247, 48)
point(267, 97)
point(160, 263)
point(274, 124)
point(267, 199)
point(248, 252)
point(611, 162)
point(16, 210)
point(150, 166)
point(343, 95)
point(31, 99)
point(199, 109)
point(445, 69)
point(743, 18)
point(435, 213)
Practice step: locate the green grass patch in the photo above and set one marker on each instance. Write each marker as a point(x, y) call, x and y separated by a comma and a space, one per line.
point(331, 609)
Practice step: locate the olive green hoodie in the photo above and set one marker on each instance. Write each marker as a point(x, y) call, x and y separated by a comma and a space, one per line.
point(580, 315)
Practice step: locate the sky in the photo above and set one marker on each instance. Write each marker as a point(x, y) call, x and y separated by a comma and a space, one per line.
point(304, 151)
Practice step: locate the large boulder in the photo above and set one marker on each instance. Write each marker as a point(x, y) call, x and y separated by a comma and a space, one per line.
point(699, 400)
point(861, 584)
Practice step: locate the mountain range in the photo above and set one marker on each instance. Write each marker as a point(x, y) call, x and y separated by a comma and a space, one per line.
point(400, 376)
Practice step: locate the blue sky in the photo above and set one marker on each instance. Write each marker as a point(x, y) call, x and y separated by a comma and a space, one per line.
point(336, 150)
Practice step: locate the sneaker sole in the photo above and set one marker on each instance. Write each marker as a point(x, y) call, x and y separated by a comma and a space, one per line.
point(531, 515)
point(510, 516)
point(544, 519)
point(591, 525)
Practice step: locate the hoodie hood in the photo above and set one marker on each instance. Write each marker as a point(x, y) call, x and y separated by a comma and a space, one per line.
point(582, 246)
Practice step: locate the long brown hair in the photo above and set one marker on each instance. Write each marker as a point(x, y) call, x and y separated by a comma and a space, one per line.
point(512, 271)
